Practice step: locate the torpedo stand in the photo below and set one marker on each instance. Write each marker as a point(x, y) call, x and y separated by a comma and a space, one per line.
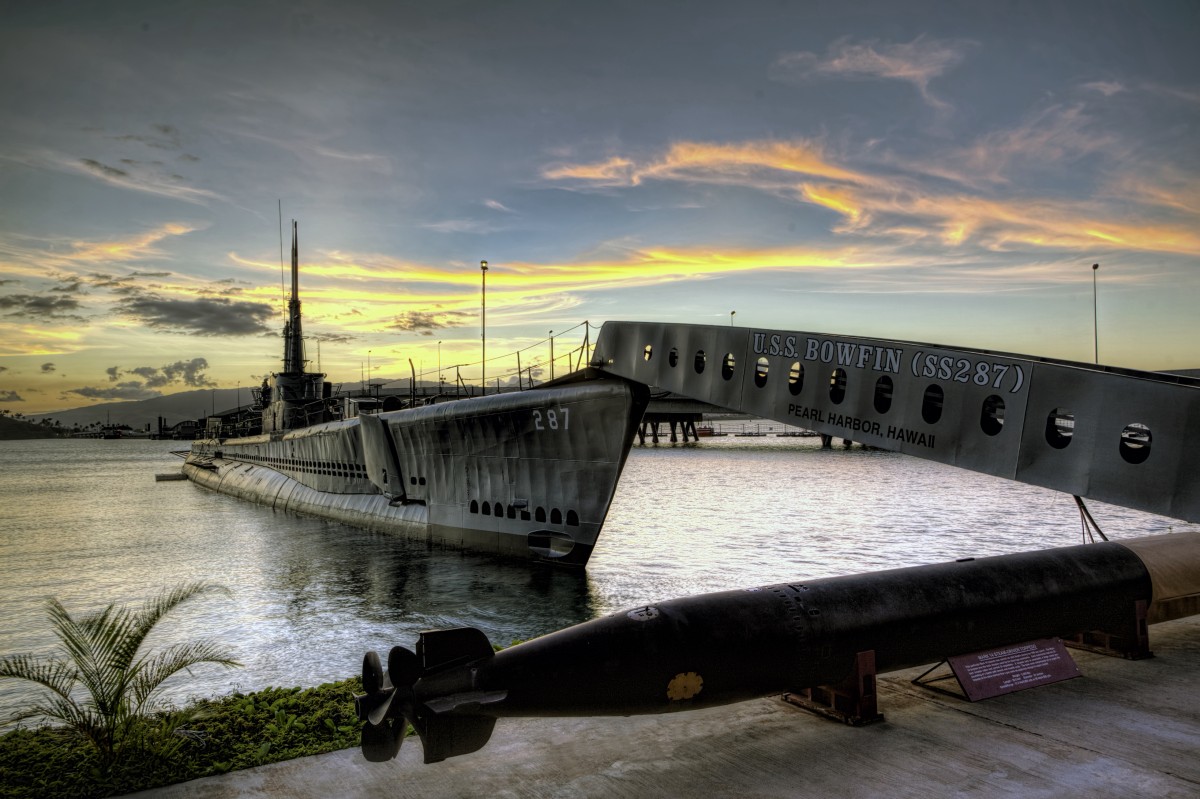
point(1131, 643)
point(853, 701)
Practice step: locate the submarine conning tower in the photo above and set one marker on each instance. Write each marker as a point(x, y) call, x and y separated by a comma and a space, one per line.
point(294, 398)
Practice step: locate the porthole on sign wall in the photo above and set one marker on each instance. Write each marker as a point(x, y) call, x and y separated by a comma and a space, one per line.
point(727, 364)
point(837, 386)
point(1060, 428)
point(1135, 443)
point(883, 394)
point(647, 352)
point(555, 516)
point(796, 378)
point(760, 371)
point(673, 357)
point(699, 362)
point(991, 415)
point(931, 403)
point(539, 515)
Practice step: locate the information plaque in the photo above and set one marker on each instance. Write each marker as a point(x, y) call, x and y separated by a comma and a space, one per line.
point(994, 672)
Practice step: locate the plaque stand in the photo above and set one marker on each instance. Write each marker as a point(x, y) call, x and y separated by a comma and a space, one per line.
point(925, 681)
point(853, 701)
point(1003, 670)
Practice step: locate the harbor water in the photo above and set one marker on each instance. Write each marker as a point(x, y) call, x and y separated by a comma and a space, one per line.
point(86, 522)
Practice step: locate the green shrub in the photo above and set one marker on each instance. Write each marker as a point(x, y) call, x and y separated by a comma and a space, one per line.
point(233, 732)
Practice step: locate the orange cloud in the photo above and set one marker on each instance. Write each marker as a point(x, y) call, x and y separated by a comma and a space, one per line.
point(33, 257)
point(836, 199)
point(763, 163)
point(131, 248)
point(907, 209)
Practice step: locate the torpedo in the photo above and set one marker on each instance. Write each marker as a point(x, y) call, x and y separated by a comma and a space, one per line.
point(715, 649)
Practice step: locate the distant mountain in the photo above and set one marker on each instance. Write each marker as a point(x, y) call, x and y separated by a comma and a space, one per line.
point(140, 413)
point(176, 408)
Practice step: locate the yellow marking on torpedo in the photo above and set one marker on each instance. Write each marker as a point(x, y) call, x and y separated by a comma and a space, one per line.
point(684, 686)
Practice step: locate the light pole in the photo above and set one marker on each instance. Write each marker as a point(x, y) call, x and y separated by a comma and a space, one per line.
point(1095, 317)
point(551, 354)
point(369, 373)
point(483, 324)
point(731, 315)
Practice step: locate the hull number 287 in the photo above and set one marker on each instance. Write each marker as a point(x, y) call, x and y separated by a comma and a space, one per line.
point(551, 419)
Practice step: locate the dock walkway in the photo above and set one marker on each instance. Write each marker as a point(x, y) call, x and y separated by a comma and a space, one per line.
point(1125, 729)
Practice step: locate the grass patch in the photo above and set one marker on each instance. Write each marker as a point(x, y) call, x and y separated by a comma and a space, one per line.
point(235, 732)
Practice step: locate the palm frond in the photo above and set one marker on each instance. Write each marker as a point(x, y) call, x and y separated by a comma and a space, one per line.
point(152, 672)
point(55, 675)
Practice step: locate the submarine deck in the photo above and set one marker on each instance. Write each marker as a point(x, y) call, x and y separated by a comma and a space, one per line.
point(1124, 729)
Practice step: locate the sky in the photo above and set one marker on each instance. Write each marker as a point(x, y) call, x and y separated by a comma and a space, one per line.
point(935, 172)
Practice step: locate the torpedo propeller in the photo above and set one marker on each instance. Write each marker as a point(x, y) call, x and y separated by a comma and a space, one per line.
point(452, 717)
point(386, 709)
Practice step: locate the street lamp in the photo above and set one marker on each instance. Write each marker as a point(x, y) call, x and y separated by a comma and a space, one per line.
point(369, 375)
point(551, 354)
point(483, 324)
point(440, 378)
point(731, 315)
point(1095, 317)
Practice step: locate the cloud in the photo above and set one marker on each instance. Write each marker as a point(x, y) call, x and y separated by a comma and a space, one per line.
point(426, 322)
point(47, 368)
point(496, 205)
point(188, 373)
point(70, 285)
point(29, 306)
point(767, 164)
point(203, 316)
point(165, 137)
point(103, 170)
point(148, 177)
point(613, 172)
point(1107, 88)
point(916, 62)
point(34, 257)
point(122, 391)
point(335, 338)
point(10, 396)
point(908, 200)
point(1054, 136)
point(136, 247)
point(461, 226)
